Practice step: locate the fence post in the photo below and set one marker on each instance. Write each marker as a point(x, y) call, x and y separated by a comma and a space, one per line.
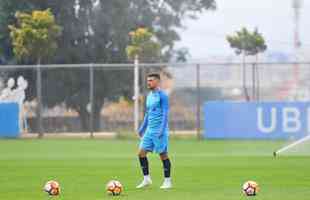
point(253, 81)
point(39, 99)
point(91, 100)
point(198, 102)
point(136, 93)
point(257, 83)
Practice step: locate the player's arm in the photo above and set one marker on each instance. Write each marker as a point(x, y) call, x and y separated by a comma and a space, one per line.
point(165, 109)
point(143, 125)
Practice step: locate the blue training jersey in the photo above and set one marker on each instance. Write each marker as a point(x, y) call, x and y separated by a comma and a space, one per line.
point(156, 115)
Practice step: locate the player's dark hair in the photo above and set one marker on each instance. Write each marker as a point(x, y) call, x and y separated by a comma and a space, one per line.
point(155, 75)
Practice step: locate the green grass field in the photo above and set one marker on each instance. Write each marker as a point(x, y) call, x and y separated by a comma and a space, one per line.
point(212, 170)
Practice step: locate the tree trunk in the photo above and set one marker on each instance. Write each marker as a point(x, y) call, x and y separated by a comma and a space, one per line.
point(97, 116)
point(84, 117)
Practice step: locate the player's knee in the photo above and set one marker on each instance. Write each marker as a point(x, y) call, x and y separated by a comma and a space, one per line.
point(163, 156)
point(142, 154)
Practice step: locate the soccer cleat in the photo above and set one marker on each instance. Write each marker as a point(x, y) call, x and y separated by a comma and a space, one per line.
point(166, 184)
point(144, 183)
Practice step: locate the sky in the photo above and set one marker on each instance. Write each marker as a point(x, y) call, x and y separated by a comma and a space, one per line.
point(205, 36)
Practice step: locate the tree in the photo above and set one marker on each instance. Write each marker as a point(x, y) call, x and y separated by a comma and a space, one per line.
point(34, 36)
point(97, 32)
point(7, 17)
point(247, 43)
point(144, 44)
point(94, 31)
point(181, 55)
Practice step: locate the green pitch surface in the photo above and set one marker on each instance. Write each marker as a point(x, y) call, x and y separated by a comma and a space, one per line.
point(203, 170)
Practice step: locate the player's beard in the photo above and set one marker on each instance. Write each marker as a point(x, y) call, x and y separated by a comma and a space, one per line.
point(150, 87)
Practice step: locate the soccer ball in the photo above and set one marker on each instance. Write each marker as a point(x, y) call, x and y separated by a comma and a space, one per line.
point(52, 188)
point(114, 188)
point(250, 188)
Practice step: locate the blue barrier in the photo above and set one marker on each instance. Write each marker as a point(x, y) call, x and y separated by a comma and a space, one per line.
point(9, 120)
point(256, 120)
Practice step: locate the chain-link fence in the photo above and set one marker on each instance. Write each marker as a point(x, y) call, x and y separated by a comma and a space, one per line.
point(99, 97)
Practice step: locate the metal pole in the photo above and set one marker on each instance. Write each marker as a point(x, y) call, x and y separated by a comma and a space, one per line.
point(136, 93)
point(258, 86)
point(91, 100)
point(198, 101)
point(253, 82)
point(143, 90)
point(245, 89)
point(297, 5)
point(39, 98)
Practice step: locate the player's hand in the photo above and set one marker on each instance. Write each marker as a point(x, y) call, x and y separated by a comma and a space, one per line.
point(140, 135)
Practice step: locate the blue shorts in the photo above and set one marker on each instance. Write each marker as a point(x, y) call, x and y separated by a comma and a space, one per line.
point(151, 142)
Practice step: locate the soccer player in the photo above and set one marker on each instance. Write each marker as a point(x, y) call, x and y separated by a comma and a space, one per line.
point(154, 131)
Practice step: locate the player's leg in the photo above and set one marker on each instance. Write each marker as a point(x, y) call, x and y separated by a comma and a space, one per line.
point(144, 162)
point(146, 145)
point(161, 147)
point(167, 170)
point(166, 164)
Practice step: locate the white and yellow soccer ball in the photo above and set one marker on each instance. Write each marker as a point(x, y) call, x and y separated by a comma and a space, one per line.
point(114, 188)
point(250, 188)
point(52, 188)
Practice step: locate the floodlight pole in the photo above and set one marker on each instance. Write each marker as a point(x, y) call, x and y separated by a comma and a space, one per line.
point(136, 93)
